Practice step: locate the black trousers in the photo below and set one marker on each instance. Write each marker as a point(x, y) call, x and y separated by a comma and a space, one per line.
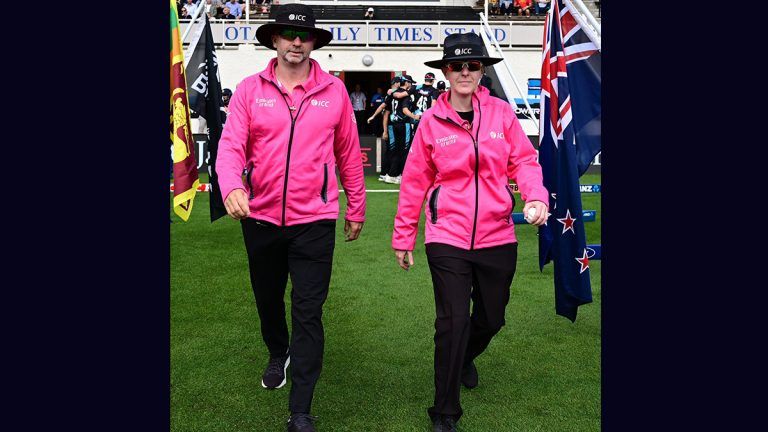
point(305, 252)
point(361, 121)
point(485, 276)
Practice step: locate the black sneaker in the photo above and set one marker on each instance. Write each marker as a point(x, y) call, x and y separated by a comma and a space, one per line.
point(301, 422)
point(274, 376)
point(469, 376)
point(443, 424)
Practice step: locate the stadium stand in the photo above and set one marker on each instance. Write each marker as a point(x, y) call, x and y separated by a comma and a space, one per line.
point(397, 13)
point(262, 9)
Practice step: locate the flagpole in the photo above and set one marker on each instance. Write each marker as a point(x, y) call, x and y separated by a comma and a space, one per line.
point(194, 18)
point(192, 45)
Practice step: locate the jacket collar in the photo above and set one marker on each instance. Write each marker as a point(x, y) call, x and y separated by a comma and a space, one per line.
point(316, 80)
point(444, 109)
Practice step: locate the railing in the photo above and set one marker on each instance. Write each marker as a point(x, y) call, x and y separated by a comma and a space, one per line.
point(586, 20)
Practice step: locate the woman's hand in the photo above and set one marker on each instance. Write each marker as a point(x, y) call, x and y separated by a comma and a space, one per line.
point(404, 258)
point(541, 214)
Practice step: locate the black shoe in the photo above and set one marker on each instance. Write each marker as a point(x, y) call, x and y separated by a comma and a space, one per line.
point(443, 424)
point(301, 422)
point(469, 376)
point(274, 376)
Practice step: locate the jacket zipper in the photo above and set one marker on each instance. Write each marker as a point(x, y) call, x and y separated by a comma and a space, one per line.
point(324, 191)
point(290, 139)
point(290, 145)
point(477, 169)
point(433, 203)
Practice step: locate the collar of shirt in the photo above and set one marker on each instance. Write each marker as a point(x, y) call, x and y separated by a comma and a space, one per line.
point(299, 90)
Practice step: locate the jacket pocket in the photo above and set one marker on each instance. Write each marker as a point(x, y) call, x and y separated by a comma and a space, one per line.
point(324, 190)
point(512, 197)
point(433, 204)
point(248, 182)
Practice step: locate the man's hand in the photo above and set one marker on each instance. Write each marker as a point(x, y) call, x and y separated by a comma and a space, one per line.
point(370, 119)
point(237, 204)
point(541, 212)
point(352, 230)
point(404, 259)
point(384, 135)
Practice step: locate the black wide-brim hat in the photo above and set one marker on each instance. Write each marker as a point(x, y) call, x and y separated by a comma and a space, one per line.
point(463, 47)
point(296, 16)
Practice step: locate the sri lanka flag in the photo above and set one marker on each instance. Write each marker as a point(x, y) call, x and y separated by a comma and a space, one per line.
point(185, 177)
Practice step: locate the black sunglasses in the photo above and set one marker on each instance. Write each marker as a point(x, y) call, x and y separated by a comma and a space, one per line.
point(472, 66)
point(292, 34)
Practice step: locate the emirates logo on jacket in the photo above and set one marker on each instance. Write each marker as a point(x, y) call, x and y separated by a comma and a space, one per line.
point(447, 140)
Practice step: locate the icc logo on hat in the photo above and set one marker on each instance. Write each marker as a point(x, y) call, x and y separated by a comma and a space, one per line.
point(294, 17)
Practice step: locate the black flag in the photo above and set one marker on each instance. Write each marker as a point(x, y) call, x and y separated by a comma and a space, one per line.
point(204, 90)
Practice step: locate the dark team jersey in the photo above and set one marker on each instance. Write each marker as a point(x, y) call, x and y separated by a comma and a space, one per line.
point(423, 97)
point(395, 108)
point(376, 100)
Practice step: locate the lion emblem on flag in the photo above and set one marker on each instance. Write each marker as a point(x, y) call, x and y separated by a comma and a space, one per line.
point(180, 147)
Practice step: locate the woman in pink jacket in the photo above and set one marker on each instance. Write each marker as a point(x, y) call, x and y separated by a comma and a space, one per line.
point(466, 149)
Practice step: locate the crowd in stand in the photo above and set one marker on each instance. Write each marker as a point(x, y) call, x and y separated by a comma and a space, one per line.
point(235, 9)
point(518, 7)
point(224, 9)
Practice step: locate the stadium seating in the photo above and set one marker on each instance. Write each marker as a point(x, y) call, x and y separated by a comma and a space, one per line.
point(395, 13)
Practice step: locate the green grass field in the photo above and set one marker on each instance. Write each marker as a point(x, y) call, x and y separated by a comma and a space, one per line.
point(540, 373)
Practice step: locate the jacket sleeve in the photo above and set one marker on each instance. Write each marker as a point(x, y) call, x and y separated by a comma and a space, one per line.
point(346, 147)
point(230, 159)
point(523, 166)
point(418, 177)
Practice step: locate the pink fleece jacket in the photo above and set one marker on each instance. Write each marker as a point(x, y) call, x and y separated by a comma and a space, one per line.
point(464, 172)
point(290, 155)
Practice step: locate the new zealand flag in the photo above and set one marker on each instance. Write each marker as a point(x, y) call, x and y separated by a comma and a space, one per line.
point(569, 139)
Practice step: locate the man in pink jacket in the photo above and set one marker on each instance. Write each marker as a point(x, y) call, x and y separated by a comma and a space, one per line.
point(289, 126)
point(467, 148)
